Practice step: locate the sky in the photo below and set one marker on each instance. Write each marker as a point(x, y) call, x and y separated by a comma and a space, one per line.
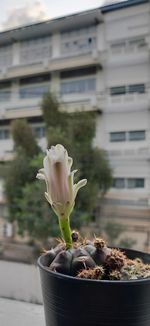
point(15, 12)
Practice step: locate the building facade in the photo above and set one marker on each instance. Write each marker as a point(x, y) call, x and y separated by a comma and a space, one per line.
point(94, 60)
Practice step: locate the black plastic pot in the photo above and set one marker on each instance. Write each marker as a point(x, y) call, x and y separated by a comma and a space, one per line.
point(70, 301)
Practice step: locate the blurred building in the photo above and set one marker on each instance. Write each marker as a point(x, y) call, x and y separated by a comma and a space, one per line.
point(94, 60)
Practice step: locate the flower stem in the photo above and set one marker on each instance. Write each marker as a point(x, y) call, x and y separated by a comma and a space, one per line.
point(64, 224)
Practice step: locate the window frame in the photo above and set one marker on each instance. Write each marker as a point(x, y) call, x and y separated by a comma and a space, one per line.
point(118, 179)
point(136, 138)
point(5, 133)
point(117, 133)
point(136, 182)
point(78, 86)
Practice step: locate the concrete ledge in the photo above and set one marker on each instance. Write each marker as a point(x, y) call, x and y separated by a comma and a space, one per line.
point(20, 282)
point(17, 313)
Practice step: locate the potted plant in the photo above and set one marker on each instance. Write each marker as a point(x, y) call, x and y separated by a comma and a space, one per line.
point(86, 283)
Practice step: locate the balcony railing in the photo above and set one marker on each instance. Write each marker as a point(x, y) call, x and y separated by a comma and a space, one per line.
point(142, 152)
point(129, 49)
point(128, 102)
point(75, 60)
point(126, 98)
point(23, 107)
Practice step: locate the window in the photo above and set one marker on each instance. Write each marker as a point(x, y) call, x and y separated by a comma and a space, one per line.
point(78, 86)
point(6, 56)
point(137, 135)
point(78, 73)
point(4, 95)
point(35, 86)
point(117, 90)
point(5, 91)
point(118, 47)
point(33, 91)
point(35, 50)
point(4, 133)
point(119, 183)
point(136, 88)
point(120, 90)
point(39, 131)
point(78, 41)
point(138, 42)
point(129, 183)
point(120, 136)
point(117, 136)
point(118, 44)
point(35, 79)
point(135, 183)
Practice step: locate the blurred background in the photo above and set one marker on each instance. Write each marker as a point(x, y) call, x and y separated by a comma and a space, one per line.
point(75, 73)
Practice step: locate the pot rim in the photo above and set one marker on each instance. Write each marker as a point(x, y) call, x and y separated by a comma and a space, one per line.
point(76, 279)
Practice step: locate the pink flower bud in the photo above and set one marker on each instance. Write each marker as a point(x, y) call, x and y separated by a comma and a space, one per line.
point(61, 190)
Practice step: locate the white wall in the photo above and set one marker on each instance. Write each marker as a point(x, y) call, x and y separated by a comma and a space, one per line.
point(132, 21)
point(137, 74)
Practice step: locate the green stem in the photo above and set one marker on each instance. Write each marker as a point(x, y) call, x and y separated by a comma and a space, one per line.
point(64, 224)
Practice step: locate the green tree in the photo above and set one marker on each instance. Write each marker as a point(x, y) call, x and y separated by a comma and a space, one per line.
point(23, 138)
point(76, 132)
point(26, 196)
point(34, 214)
point(20, 171)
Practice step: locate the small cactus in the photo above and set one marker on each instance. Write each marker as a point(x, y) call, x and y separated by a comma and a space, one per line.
point(95, 273)
point(135, 269)
point(115, 275)
point(92, 261)
point(116, 260)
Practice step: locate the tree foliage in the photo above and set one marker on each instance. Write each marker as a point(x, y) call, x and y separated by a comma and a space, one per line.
point(34, 213)
point(20, 172)
point(23, 137)
point(76, 132)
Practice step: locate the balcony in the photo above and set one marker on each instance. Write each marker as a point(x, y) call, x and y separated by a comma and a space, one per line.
point(141, 153)
point(17, 108)
point(20, 108)
point(128, 54)
point(80, 102)
point(55, 64)
point(7, 150)
point(126, 102)
point(77, 60)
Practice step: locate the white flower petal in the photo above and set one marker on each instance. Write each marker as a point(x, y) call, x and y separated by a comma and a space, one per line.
point(71, 179)
point(40, 176)
point(48, 198)
point(46, 163)
point(70, 162)
point(42, 171)
point(79, 185)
